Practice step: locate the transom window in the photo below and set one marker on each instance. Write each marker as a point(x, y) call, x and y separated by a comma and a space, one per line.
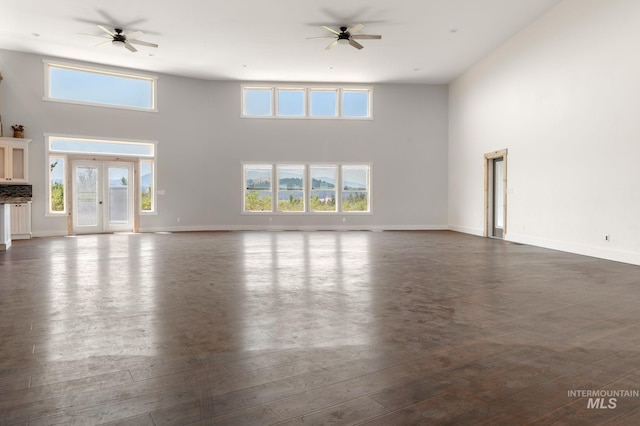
point(61, 149)
point(92, 86)
point(306, 188)
point(306, 102)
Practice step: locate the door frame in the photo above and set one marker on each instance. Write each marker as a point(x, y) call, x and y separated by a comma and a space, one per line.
point(103, 159)
point(488, 216)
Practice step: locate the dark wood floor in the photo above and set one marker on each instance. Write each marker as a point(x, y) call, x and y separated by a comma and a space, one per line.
point(386, 328)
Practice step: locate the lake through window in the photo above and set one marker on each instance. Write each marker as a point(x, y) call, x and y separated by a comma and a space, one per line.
point(306, 188)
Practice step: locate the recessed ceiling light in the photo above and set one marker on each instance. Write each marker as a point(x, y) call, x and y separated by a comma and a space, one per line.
point(245, 66)
point(331, 68)
point(453, 30)
point(416, 69)
point(35, 34)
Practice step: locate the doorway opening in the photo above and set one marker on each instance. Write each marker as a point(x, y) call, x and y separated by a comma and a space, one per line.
point(102, 197)
point(495, 194)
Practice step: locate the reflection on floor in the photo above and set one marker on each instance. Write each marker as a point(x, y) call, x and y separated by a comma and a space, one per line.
point(258, 328)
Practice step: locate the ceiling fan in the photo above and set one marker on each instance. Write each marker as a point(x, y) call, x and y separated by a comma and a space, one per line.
point(348, 36)
point(118, 38)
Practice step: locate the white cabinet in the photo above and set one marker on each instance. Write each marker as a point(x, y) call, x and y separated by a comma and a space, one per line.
point(20, 221)
point(14, 160)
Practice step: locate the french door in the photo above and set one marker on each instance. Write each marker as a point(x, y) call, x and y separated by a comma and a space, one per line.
point(102, 196)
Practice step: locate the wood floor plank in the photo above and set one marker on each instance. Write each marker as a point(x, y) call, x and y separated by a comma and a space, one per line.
point(347, 413)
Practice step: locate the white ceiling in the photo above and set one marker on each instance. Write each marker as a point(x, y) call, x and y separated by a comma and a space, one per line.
point(423, 41)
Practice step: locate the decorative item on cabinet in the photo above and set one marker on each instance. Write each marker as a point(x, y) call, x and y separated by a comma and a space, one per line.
point(18, 131)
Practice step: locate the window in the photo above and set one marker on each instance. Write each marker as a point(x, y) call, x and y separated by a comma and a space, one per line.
point(323, 188)
point(324, 103)
point(258, 188)
point(291, 102)
point(306, 188)
point(69, 83)
point(355, 188)
point(61, 149)
point(146, 186)
point(291, 188)
point(90, 146)
point(355, 103)
point(306, 102)
point(258, 102)
point(57, 186)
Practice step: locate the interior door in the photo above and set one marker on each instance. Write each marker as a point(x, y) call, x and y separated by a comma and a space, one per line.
point(495, 194)
point(498, 197)
point(102, 196)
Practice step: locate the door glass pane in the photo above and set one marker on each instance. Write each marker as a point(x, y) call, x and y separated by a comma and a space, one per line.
point(118, 191)
point(498, 177)
point(87, 184)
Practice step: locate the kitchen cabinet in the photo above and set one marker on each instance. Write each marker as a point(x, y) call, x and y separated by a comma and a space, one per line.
point(14, 160)
point(21, 221)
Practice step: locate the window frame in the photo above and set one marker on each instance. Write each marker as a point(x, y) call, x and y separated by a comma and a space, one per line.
point(336, 187)
point(244, 168)
point(48, 64)
point(369, 93)
point(272, 105)
point(305, 104)
point(65, 186)
point(278, 167)
point(343, 190)
point(308, 90)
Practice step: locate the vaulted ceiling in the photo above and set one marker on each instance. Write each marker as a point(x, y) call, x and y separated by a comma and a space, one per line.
point(423, 41)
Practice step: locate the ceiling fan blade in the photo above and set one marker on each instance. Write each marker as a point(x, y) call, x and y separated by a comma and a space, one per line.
point(95, 35)
point(332, 45)
point(331, 30)
point(142, 43)
point(104, 43)
point(366, 37)
point(355, 29)
point(134, 35)
point(355, 44)
point(106, 30)
point(130, 47)
point(312, 38)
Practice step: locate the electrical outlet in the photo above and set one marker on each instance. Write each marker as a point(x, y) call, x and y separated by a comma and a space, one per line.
point(607, 237)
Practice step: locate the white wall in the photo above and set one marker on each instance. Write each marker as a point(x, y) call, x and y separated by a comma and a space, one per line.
point(564, 97)
point(202, 140)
